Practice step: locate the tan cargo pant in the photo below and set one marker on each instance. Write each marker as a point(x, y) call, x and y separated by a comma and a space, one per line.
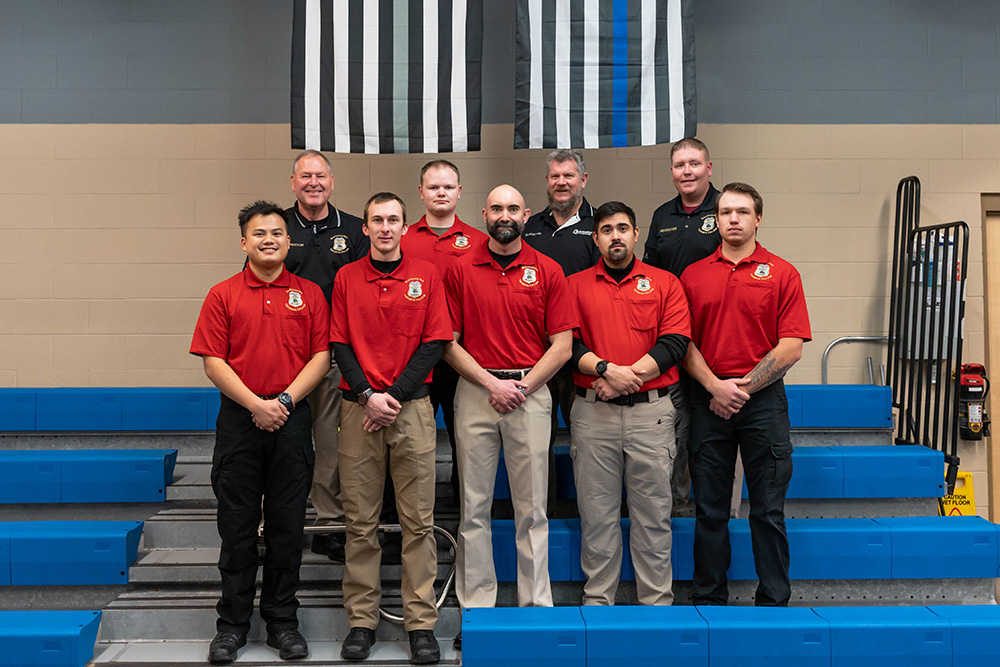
point(409, 442)
point(609, 441)
point(325, 401)
point(480, 432)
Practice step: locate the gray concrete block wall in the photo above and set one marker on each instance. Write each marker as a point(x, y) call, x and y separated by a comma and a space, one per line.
point(759, 61)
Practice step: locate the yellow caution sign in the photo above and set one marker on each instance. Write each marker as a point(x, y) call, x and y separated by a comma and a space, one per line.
point(963, 501)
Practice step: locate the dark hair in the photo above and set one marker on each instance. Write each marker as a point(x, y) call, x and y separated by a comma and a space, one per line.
point(439, 163)
point(259, 207)
point(743, 189)
point(689, 142)
point(610, 208)
point(381, 198)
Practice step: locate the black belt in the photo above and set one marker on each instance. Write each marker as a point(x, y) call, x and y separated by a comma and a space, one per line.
point(268, 397)
point(508, 375)
point(627, 399)
point(419, 392)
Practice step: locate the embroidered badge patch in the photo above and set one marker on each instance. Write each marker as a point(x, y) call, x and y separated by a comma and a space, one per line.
point(643, 285)
point(461, 242)
point(530, 276)
point(339, 244)
point(762, 272)
point(295, 301)
point(708, 225)
point(415, 289)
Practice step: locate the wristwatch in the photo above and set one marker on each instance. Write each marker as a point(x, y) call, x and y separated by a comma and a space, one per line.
point(601, 367)
point(364, 396)
point(285, 399)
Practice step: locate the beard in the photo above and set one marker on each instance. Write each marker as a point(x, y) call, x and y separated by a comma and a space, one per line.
point(617, 253)
point(504, 232)
point(565, 208)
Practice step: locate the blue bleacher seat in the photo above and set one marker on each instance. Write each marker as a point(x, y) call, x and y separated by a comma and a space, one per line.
point(561, 563)
point(29, 477)
point(49, 638)
point(164, 409)
point(892, 471)
point(946, 547)
point(646, 636)
point(71, 552)
point(4, 556)
point(17, 409)
point(974, 633)
point(844, 406)
point(766, 637)
point(794, 396)
point(817, 472)
point(524, 636)
point(78, 409)
point(86, 475)
point(887, 636)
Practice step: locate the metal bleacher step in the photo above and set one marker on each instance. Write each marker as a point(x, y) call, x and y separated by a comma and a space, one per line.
point(321, 654)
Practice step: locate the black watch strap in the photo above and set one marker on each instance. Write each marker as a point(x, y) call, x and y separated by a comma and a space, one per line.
point(286, 399)
point(601, 367)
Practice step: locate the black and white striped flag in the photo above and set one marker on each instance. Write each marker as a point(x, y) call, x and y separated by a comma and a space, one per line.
point(603, 73)
point(387, 76)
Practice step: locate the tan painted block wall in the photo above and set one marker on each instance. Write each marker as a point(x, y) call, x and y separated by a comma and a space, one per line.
point(115, 233)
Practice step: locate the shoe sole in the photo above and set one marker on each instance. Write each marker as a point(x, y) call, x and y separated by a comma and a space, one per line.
point(228, 661)
point(427, 660)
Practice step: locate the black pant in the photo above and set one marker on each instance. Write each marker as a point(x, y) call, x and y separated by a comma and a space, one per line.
point(760, 431)
point(250, 465)
point(443, 394)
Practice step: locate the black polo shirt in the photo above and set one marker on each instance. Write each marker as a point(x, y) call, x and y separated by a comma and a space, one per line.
point(571, 246)
point(319, 249)
point(678, 239)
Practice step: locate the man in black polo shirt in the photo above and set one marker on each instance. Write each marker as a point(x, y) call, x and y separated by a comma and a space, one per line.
point(323, 239)
point(563, 231)
point(683, 232)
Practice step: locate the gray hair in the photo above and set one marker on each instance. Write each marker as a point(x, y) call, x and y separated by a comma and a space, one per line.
point(565, 155)
point(311, 153)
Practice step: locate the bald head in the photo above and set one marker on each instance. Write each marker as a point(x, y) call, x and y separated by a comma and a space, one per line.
point(505, 214)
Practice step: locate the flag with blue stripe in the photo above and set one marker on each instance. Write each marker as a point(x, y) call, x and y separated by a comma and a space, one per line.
point(604, 73)
point(387, 76)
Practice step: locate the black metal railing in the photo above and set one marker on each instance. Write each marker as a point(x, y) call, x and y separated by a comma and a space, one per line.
point(926, 313)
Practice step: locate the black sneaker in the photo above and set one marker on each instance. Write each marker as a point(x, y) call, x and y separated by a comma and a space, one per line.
point(358, 644)
point(330, 545)
point(424, 648)
point(456, 643)
point(224, 647)
point(291, 644)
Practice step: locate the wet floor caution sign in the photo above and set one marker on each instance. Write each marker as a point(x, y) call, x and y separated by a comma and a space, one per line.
point(963, 501)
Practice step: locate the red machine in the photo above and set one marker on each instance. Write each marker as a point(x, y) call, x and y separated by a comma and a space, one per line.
point(973, 422)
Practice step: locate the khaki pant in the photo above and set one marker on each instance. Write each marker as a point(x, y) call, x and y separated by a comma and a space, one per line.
point(409, 442)
point(524, 435)
point(325, 401)
point(637, 441)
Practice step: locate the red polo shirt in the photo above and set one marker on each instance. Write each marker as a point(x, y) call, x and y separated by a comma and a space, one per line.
point(739, 311)
point(620, 322)
point(385, 317)
point(421, 242)
point(266, 332)
point(505, 316)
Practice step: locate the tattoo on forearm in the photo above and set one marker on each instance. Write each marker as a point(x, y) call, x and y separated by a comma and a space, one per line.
point(766, 372)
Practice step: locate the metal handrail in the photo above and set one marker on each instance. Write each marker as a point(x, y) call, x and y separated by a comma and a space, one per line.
point(848, 339)
point(396, 528)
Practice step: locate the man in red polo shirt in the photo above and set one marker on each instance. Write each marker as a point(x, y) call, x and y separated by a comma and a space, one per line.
point(513, 320)
point(634, 328)
point(263, 336)
point(441, 238)
point(748, 322)
point(389, 329)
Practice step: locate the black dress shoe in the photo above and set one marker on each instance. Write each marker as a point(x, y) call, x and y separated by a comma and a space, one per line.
point(358, 644)
point(291, 644)
point(456, 643)
point(424, 648)
point(224, 647)
point(330, 545)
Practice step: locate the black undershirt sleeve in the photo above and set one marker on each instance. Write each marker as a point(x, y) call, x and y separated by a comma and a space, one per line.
point(579, 349)
point(350, 367)
point(417, 368)
point(668, 350)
